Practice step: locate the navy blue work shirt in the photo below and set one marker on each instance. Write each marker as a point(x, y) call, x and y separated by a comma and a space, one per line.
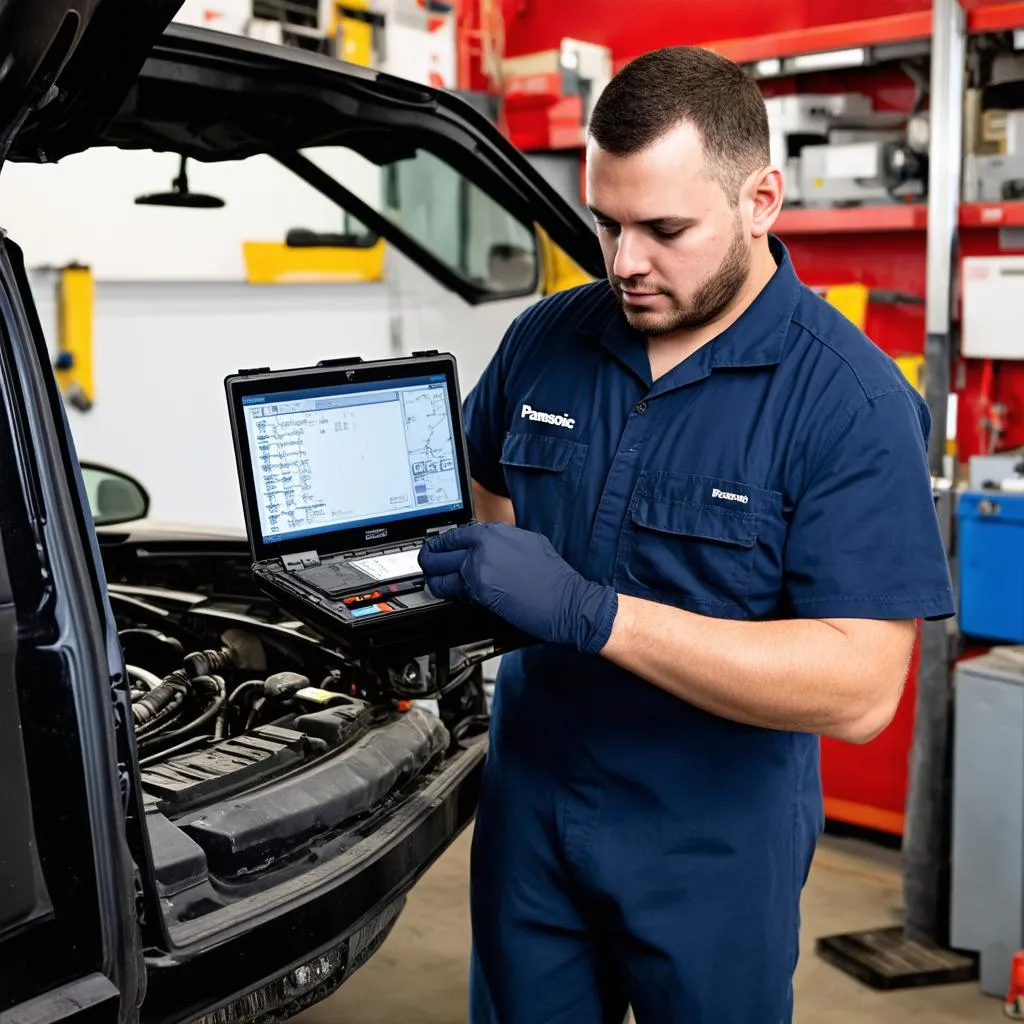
point(779, 472)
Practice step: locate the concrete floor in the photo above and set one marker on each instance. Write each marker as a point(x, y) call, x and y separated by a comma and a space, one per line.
point(419, 975)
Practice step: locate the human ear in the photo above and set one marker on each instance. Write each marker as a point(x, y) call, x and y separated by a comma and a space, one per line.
point(763, 193)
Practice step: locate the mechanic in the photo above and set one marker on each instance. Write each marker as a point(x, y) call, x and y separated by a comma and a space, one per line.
point(723, 534)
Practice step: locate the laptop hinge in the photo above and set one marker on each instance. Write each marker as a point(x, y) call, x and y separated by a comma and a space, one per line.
point(300, 560)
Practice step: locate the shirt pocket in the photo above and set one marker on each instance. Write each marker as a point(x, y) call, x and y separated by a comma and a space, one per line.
point(542, 474)
point(683, 545)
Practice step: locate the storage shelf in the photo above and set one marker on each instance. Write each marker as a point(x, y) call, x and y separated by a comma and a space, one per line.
point(894, 28)
point(992, 215)
point(908, 217)
point(995, 18)
point(853, 219)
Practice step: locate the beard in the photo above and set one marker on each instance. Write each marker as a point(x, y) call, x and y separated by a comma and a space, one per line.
point(712, 297)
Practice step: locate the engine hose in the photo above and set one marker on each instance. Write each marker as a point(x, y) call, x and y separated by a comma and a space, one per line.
point(180, 748)
point(256, 685)
point(208, 663)
point(149, 680)
point(165, 718)
point(168, 694)
point(214, 683)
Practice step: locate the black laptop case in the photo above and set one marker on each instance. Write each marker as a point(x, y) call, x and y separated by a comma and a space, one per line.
point(286, 426)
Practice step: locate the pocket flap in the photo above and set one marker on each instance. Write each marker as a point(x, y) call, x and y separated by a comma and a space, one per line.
point(700, 521)
point(535, 451)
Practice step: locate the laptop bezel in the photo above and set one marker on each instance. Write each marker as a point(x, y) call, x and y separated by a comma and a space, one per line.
point(377, 535)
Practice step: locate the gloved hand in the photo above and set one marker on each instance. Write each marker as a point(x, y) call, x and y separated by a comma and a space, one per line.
point(521, 577)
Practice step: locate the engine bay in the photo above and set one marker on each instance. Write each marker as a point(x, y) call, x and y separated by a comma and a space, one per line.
point(260, 748)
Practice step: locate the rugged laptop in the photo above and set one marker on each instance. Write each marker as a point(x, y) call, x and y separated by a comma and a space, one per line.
point(346, 468)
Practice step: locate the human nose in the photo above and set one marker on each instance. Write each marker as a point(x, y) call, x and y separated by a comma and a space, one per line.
point(630, 257)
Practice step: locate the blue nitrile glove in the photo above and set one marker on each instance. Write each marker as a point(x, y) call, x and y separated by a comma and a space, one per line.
point(521, 577)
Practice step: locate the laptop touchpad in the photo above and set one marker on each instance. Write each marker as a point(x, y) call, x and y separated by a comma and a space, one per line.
point(390, 567)
point(334, 577)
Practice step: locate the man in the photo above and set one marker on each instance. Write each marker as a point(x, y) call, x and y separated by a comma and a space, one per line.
point(724, 532)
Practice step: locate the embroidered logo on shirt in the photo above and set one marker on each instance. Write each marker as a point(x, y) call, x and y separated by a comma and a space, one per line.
point(554, 419)
point(728, 496)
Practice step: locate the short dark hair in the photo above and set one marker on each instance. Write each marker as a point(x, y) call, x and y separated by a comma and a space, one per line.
point(662, 89)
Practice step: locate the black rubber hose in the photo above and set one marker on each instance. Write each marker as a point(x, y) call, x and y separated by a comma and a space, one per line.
point(207, 663)
point(147, 680)
point(180, 748)
point(236, 695)
point(215, 683)
point(160, 702)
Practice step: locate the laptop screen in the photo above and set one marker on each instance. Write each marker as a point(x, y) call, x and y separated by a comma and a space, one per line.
point(348, 456)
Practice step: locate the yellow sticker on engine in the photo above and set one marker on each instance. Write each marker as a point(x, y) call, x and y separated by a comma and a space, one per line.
point(316, 694)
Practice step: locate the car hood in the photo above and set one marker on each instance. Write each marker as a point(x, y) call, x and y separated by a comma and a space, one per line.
point(212, 96)
point(68, 64)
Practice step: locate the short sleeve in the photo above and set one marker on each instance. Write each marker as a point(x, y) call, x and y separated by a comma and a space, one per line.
point(485, 415)
point(864, 540)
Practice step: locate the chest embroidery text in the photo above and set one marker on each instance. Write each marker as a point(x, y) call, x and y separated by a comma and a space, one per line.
point(554, 419)
point(743, 499)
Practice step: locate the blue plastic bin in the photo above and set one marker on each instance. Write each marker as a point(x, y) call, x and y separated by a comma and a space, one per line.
point(991, 565)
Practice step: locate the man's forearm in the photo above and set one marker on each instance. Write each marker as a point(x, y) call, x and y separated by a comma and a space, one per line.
point(839, 677)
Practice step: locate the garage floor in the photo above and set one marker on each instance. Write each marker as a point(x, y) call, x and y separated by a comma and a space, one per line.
point(420, 973)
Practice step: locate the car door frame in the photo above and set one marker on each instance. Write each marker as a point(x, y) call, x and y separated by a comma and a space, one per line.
point(79, 957)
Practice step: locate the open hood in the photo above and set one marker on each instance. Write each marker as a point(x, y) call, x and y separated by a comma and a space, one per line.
point(211, 96)
point(66, 65)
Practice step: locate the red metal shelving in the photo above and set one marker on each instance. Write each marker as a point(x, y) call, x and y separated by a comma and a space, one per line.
point(853, 219)
point(893, 28)
point(992, 215)
point(898, 217)
point(995, 17)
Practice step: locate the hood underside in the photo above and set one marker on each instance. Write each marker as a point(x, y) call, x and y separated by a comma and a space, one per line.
point(216, 97)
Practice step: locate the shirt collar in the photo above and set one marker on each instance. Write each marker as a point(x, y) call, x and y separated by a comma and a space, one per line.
point(755, 339)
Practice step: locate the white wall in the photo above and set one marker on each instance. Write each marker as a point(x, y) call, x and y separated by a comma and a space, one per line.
point(173, 315)
point(161, 352)
point(83, 210)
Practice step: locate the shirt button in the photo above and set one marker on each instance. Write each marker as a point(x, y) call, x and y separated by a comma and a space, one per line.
point(640, 407)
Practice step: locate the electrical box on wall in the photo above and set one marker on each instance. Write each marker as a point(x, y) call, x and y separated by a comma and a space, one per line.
point(993, 307)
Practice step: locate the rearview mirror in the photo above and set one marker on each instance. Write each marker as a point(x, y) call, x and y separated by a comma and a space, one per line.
point(114, 497)
point(181, 196)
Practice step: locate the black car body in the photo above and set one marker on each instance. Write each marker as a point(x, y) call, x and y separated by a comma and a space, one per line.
point(207, 811)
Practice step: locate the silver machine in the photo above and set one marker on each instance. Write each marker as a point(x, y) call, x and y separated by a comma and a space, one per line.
point(836, 150)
